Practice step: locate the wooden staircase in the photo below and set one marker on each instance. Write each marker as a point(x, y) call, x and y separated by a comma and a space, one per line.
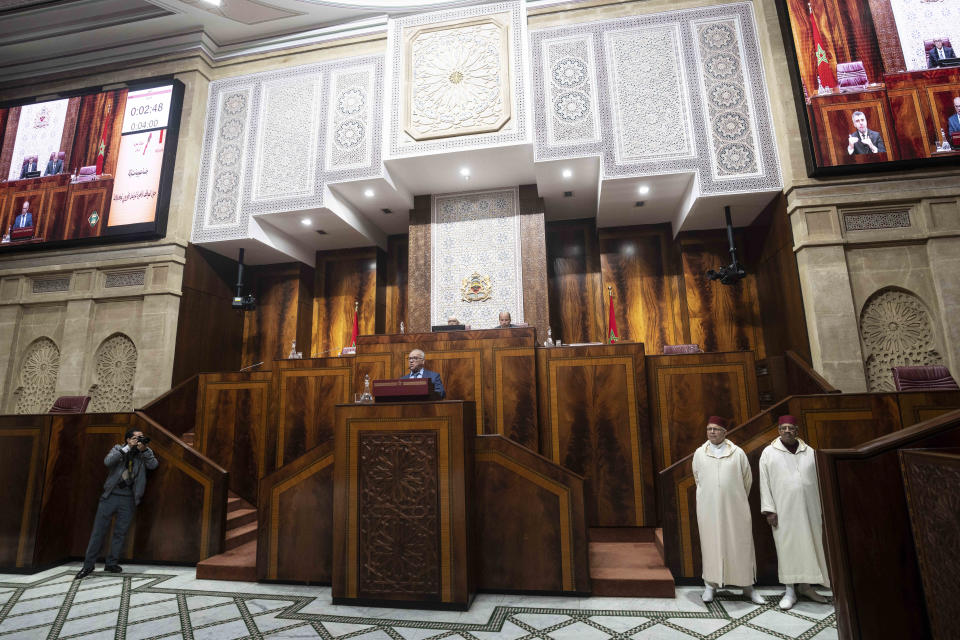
point(628, 562)
point(238, 562)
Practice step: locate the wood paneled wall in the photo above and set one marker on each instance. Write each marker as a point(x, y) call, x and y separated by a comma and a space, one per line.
point(343, 278)
point(209, 330)
point(284, 297)
point(395, 286)
point(661, 295)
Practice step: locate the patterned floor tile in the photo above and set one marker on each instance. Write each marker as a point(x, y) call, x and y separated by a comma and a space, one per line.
point(579, 631)
point(234, 629)
point(746, 633)
point(702, 626)
point(408, 633)
point(509, 631)
point(31, 634)
point(737, 608)
point(152, 628)
point(337, 629)
point(618, 624)
point(541, 620)
point(827, 634)
point(783, 623)
point(660, 632)
point(305, 632)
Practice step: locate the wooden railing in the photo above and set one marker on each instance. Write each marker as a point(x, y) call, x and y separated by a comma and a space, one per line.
point(176, 410)
point(878, 591)
point(52, 473)
point(802, 379)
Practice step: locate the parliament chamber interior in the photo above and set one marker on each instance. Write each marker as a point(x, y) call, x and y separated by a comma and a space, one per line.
point(423, 311)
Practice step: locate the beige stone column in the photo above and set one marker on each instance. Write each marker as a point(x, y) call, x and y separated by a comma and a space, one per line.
point(828, 298)
point(74, 347)
point(943, 249)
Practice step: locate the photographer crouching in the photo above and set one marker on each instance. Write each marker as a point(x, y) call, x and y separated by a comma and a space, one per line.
point(126, 480)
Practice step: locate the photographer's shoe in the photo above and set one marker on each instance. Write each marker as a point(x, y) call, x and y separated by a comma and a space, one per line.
point(83, 573)
point(113, 568)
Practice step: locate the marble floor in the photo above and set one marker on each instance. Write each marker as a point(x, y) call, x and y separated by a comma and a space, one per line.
point(151, 602)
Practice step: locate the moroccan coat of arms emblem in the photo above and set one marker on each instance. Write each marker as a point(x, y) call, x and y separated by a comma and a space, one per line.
point(476, 288)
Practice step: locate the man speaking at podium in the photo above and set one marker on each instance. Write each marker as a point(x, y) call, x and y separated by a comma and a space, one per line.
point(415, 360)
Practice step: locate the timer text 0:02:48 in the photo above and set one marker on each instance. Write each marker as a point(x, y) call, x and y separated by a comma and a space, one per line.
point(145, 109)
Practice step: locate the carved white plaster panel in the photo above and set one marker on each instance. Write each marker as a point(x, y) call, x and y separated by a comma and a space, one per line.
point(264, 132)
point(224, 155)
point(116, 367)
point(476, 233)
point(457, 79)
point(650, 106)
point(36, 388)
point(350, 120)
point(726, 99)
point(718, 109)
point(285, 159)
point(896, 331)
point(569, 72)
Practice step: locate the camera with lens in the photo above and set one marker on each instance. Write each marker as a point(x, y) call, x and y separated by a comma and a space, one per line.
point(144, 440)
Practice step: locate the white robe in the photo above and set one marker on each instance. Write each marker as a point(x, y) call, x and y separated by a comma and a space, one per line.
point(723, 515)
point(789, 488)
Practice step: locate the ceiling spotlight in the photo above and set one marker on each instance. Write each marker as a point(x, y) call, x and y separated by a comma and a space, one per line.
point(306, 222)
point(643, 190)
point(465, 172)
point(368, 193)
point(567, 173)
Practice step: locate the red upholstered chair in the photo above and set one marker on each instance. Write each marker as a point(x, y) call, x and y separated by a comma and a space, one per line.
point(70, 404)
point(933, 377)
point(87, 173)
point(851, 76)
point(677, 349)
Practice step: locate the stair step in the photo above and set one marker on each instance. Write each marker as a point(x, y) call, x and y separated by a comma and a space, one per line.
point(621, 534)
point(239, 564)
point(189, 438)
point(629, 569)
point(240, 517)
point(240, 535)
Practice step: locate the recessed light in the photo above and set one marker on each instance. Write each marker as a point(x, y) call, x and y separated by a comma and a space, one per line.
point(465, 172)
point(368, 193)
point(321, 232)
point(567, 173)
point(643, 190)
point(306, 222)
point(639, 203)
point(568, 194)
point(386, 211)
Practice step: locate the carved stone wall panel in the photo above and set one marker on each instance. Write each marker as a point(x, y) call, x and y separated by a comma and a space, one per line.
point(350, 120)
point(37, 379)
point(721, 126)
point(457, 79)
point(115, 366)
point(731, 134)
point(476, 233)
point(399, 526)
point(569, 72)
point(263, 140)
point(896, 331)
point(285, 158)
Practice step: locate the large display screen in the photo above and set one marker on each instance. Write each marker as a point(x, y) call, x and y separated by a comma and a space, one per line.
point(90, 166)
point(880, 81)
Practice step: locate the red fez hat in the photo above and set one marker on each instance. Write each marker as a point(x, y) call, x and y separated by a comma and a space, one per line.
point(787, 419)
point(717, 420)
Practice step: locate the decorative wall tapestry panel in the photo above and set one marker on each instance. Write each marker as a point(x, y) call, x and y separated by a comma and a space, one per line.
point(476, 268)
point(457, 79)
point(265, 149)
point(681, 92)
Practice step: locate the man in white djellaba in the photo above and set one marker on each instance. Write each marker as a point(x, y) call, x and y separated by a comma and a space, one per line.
point(723, 477)
point(790, 500)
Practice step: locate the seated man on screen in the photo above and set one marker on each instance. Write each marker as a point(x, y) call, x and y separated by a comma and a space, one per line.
point(28, 167)
point(54, 165)
point(863, 140)
point(954, 120)
point(938, 53)
point(415, 361)
point(24, 219)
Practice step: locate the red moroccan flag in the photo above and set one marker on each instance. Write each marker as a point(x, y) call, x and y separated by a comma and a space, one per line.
point(101, 150)
point(356, 325)
point(824, 71)
point(614, 336)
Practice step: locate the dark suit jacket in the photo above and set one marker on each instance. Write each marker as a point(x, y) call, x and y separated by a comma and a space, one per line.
point(933, 59)
point(53, 167)
point(954, 124)
point(20, 223)
point(437, 382)
point(875, 138)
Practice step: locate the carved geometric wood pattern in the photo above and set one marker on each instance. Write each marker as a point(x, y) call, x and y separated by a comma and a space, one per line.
point(399, 514)
point(116, 363)
point(38, 377)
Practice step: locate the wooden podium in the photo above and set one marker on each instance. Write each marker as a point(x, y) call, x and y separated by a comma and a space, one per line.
point(402, 516)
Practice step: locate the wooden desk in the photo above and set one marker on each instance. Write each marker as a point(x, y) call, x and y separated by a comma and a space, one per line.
point(495, 368)
point(402, 513)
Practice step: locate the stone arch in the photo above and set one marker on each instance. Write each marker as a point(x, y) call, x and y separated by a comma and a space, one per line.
point(37, 379)
point(896, 330)
point(115, 369)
